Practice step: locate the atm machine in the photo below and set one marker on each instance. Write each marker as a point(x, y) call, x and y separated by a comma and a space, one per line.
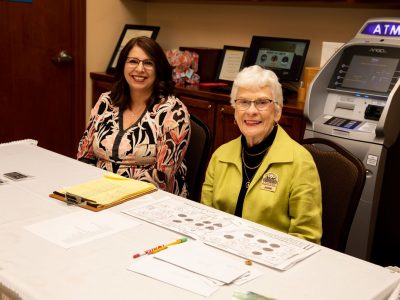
point(354, 100)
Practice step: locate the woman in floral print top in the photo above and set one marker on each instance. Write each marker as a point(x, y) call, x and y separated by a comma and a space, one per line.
point(139, 130)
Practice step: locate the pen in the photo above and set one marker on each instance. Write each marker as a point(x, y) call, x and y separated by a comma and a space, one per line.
point(160, 248)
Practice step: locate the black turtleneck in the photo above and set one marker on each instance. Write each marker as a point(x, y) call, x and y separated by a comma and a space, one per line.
point(253, 156)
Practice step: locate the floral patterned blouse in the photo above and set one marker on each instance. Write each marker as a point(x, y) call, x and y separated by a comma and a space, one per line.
point(151, 150)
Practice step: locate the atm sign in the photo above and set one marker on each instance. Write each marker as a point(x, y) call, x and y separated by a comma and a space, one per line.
point(382, 29)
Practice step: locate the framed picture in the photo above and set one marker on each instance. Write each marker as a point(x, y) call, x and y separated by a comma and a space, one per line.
point(130, 32)
point(232, 60)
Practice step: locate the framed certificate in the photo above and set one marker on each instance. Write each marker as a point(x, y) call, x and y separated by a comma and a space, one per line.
point(231, 63)
point(129, 32)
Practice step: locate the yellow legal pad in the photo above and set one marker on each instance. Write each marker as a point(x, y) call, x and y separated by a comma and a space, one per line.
point(104, 192)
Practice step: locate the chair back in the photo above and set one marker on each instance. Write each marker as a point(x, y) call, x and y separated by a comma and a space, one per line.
point(342, 178)
point(197, 157)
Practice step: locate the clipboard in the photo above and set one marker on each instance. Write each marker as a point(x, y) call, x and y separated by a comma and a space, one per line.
point(94, 207)
point(117, 190)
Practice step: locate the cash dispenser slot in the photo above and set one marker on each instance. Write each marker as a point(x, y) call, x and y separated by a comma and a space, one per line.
point(344, 105)
point(344, 109)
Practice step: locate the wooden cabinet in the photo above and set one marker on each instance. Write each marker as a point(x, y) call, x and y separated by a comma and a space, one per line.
point(214, 110)
point(293, 123)
point(101, 83)
point(203, 109)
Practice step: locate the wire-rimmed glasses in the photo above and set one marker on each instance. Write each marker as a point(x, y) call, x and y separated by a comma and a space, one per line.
point(259, 103)
point(134, 62)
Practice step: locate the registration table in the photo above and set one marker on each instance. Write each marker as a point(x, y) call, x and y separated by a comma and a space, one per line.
point(32, 267)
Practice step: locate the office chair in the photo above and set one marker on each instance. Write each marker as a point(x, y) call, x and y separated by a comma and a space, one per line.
point(342, 178)
point(197, 157)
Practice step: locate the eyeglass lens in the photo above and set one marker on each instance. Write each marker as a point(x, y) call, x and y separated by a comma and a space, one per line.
point(134, 62)
point(260, 104)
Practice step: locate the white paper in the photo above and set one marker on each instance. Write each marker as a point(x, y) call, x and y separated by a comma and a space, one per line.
point(328, 50)
point(252, 273)
point(226, 232)
point(204, 260)
point(231, 64)
point(80, 227)
point(160, 270)
point(367, 127)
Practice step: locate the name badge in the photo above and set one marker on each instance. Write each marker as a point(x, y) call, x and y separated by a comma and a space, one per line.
point(269, 182)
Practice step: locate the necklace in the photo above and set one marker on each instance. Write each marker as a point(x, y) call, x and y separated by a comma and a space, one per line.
point(248, 167)
point(247, 177)
point(256, 154)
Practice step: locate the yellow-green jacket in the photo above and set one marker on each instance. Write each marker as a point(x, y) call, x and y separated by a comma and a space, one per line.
point(295, 205)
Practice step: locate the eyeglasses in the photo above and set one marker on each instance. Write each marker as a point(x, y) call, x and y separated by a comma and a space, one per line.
point(134, 62)
point(260, 103)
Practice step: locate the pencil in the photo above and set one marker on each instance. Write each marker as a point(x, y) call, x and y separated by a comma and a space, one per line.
point(160, 248)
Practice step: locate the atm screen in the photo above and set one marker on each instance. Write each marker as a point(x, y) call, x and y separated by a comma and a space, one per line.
point(370, 73)
point(367, 71)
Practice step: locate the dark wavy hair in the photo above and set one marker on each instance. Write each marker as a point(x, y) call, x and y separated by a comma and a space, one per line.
point(163, 85)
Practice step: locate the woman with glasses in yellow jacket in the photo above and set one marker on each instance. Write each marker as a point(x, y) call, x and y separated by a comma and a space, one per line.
point(264, 175)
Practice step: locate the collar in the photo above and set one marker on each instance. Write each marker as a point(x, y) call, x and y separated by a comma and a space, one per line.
point(281, 151)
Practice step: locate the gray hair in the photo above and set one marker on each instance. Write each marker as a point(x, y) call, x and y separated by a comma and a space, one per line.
point(256, 76)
